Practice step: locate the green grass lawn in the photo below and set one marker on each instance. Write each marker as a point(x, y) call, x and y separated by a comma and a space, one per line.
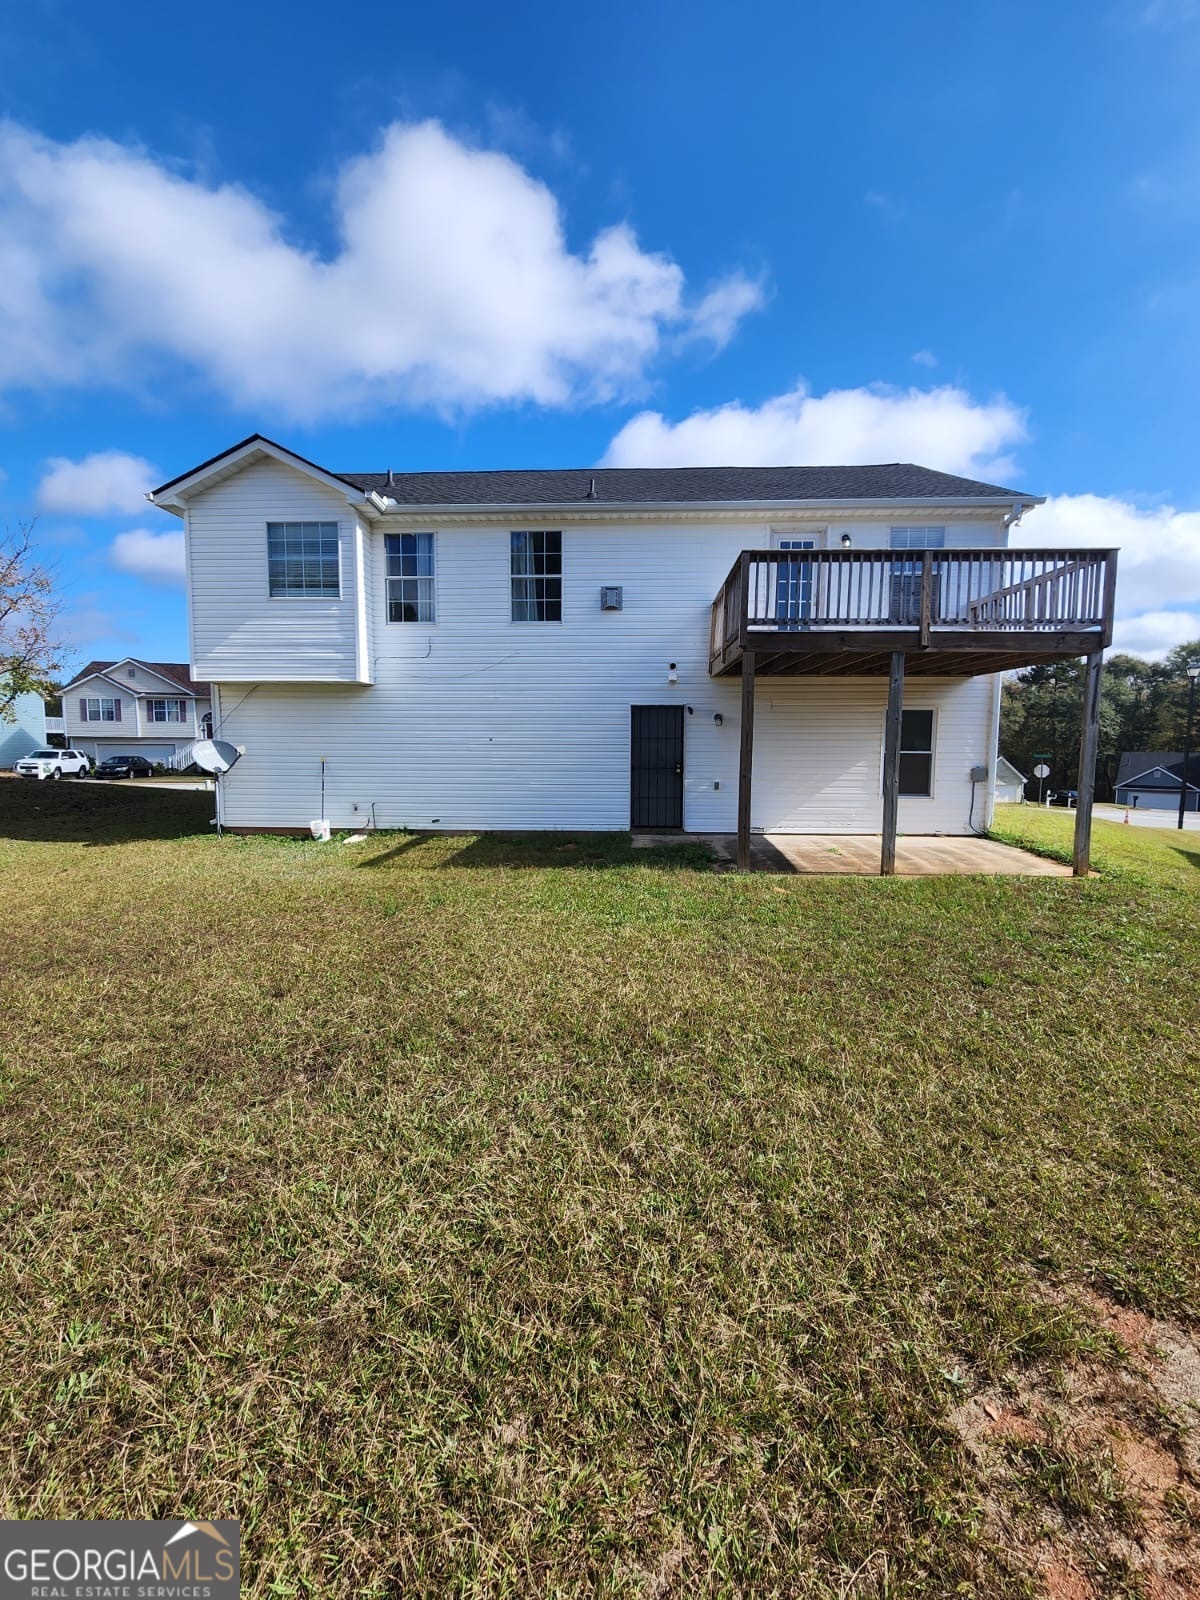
point(480, 1217)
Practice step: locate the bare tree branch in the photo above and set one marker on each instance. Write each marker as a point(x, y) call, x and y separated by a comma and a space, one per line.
point(30, 652)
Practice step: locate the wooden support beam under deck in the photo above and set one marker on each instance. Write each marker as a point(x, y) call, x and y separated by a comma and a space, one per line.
point(891, 764)
point(1089, 743)
point(745, 762)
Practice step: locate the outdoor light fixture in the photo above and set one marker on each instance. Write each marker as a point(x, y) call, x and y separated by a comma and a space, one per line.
point(672, 672)
point(718, 719)
point(846, 541)
point(1193, 672)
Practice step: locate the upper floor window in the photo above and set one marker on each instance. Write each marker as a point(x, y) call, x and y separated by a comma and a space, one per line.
point(918, 539)
point(166, 710)
point(409, 577)
point(537, 577)
point(93, 708)
point(302, 560)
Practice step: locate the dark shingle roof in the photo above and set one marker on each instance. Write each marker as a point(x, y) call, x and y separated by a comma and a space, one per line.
point(177, 671)
point(1134, 763)
point(897, 480)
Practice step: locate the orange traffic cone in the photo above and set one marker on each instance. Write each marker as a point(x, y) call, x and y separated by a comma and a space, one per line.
point(1126, 816)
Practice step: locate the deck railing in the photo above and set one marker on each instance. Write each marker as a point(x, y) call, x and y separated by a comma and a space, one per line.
point(984, 591)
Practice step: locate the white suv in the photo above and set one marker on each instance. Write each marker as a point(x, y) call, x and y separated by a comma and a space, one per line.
point(53, 764)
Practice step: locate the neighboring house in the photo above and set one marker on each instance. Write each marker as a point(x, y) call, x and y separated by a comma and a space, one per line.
point(1010, 785)
point(25, 731)
point(1150, 779)
point(130, 707)
point(563, 649)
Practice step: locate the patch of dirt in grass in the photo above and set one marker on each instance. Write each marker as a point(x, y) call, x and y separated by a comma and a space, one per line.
point(1091, 1472)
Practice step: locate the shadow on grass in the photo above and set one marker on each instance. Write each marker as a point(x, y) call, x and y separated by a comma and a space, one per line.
point(1192, 857)
point(99, 814)
point(586, 850)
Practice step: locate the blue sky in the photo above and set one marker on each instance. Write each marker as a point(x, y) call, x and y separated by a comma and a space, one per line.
point(475, 236)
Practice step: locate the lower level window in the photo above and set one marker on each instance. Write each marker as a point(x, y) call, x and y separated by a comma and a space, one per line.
point(916, 753)
point(410, 577)
point(166, 710)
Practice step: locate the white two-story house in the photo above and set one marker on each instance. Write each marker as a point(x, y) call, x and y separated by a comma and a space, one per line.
point(794, 649)
point(154, 709)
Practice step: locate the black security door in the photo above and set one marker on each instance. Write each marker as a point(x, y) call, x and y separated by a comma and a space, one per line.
point(656, 768)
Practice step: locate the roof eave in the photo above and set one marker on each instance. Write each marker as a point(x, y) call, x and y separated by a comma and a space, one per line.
point(676, 507)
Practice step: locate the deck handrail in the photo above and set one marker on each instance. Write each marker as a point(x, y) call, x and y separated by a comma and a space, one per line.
point(965, 590)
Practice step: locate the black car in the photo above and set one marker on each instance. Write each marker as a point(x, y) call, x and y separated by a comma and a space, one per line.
point(125, 767)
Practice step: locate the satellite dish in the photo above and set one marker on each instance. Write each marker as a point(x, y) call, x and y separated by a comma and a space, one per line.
point(215, 755)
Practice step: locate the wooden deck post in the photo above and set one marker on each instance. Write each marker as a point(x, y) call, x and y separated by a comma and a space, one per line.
point(745, 762)
point(891, 764)
point(1089, 742)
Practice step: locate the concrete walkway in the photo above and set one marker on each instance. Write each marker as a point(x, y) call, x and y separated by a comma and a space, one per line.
point(857, 854)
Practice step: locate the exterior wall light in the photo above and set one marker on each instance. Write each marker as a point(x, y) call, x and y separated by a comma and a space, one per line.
point(672, 673)
point(718, 719)
point(846, 541)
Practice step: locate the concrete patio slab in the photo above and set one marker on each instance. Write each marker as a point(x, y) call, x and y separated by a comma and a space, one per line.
point(857, 854)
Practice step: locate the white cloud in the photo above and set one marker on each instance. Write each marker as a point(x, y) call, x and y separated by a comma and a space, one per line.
point(943, 427)
point(1155, 632)
point(109, 481)
point(719, 314)
point(156, 557)
point(924, 358)
point(451, 282)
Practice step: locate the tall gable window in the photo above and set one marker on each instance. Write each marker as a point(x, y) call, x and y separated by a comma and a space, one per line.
point(94, 708)
point(410, 577)
point(166, 710)
point(302, 560)
point(537, 577)
point(916, 753)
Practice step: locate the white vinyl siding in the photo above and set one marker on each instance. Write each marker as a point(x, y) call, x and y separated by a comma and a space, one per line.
point(476, 723)
point(238, 632)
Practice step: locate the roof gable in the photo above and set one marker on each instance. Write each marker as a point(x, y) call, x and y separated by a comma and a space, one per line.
point(174, 674)
point(173, 494)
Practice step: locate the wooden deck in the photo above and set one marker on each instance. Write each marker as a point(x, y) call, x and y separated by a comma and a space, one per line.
point(954, 613)
point(857, 855)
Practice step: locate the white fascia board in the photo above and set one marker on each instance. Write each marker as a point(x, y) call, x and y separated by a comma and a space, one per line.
point(174, 497)
point(831, 509)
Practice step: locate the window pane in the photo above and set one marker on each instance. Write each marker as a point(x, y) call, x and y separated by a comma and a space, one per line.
point(916, 774)
point(536, 577)
point(302, 560)
point(917, 538)
point(916, 730)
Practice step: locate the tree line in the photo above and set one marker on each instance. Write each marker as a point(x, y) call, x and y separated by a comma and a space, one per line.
point(1143, 707)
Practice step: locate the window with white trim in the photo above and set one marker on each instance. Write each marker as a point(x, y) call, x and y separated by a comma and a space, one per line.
point(916, 753)
point(166, 710)
point(98, 708)
point(917, 538)
point(537, 577)
point(302, 560)
point(410, 576)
